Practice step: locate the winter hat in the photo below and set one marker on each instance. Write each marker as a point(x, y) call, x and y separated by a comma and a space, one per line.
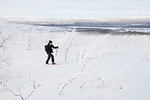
point(50, 41)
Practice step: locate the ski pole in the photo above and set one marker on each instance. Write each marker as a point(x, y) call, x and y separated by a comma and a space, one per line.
point(56, 51)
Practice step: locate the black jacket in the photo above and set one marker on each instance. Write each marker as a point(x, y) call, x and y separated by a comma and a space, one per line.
point(50, 48)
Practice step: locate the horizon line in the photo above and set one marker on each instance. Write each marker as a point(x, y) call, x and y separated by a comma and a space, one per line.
point(77, 19)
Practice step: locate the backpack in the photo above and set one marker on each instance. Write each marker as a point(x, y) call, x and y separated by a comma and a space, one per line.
point(45, 47)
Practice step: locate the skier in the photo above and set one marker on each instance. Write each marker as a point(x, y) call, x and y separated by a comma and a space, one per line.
point(49, 50)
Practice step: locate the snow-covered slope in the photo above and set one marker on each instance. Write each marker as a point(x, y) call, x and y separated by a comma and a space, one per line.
point(90, 67)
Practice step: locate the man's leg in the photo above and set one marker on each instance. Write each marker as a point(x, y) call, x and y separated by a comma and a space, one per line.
point(49, 55)
point(52, 58)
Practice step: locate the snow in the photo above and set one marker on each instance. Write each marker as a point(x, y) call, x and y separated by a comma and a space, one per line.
point(90, 67)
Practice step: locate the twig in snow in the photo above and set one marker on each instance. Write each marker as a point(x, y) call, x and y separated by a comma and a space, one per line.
point(66, 54)
point(3, 40)
point(20, 95)
point(97, 83)
point(68, 82)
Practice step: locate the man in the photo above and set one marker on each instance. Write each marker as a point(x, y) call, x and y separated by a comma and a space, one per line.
point(49, 50)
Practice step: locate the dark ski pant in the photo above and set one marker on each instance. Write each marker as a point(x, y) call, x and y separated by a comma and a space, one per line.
point(50, 56)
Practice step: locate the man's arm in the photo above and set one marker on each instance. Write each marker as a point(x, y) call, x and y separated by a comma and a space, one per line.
point(55, 47)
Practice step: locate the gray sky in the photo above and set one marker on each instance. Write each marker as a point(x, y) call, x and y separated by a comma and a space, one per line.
point(75, 9)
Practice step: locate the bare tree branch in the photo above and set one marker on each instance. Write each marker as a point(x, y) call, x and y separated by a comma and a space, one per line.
point(97, 83)
point(85, 56)
point(3, 40)
point(20, 94)
point(69, 81)
point(67, 52)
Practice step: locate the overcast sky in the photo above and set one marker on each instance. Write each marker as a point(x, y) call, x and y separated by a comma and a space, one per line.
point(75, 9)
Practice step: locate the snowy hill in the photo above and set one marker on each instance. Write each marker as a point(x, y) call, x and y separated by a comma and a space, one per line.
point(90, 66)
